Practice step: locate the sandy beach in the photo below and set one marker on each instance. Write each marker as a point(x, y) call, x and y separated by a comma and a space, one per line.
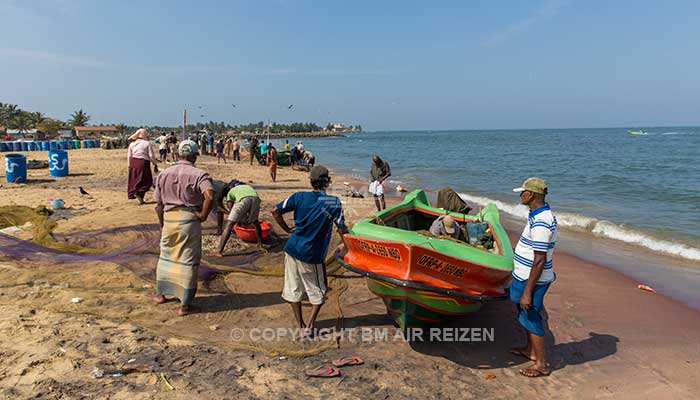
point(607, 339)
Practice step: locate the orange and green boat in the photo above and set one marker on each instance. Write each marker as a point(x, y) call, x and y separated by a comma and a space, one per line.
point(425, 279)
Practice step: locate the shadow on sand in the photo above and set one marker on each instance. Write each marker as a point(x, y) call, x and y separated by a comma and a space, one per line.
point(507, 334)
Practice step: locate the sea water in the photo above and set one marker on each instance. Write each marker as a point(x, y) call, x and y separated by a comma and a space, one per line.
point(642, 192)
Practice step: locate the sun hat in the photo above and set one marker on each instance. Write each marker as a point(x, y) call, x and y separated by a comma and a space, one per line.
point(449, 224)
point(535, 185)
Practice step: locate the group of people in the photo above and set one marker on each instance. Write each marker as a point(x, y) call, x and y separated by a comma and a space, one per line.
point(298, 155)
point(185, 195)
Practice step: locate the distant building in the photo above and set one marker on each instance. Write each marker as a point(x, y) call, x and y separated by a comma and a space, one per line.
point(95, 131)
point(341, 128)
point(27, 133)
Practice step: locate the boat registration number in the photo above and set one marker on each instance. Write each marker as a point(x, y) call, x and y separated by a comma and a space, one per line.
point(379, 250)
point(442, 266)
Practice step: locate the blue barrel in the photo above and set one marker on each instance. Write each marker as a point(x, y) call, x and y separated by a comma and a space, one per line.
point(24, 146)
point(68, 144)
point(98, 144)
point(87, 144)
point(93, 144)
point(53, 145)
point(30, 146)
point(3, 146)
point(16, 146)
point(16, 168)
point(58, 163)
point(45, 146)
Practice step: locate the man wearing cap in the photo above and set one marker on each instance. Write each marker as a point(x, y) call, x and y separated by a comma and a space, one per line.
point(244, 203)
point(533, 273)
point(445, 225)
point(185, 197)
point(315, 213)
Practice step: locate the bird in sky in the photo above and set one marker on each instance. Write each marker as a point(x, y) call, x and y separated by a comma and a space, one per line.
point(290, 106)
point(233, 105)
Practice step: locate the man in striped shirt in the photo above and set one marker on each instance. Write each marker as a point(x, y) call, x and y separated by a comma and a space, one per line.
point(533, 273)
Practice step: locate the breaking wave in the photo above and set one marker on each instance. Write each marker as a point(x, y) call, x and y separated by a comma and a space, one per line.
point(597, 227)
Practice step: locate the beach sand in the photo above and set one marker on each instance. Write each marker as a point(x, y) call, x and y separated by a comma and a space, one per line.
point(607, 338)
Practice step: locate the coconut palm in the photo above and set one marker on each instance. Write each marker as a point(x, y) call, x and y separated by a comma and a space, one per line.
point(78, 118)
point(121, 128)
point(22, 122)
point(37, 118)
point(7, 113)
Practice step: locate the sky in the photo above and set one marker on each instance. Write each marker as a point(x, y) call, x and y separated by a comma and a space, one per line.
point(387, 65)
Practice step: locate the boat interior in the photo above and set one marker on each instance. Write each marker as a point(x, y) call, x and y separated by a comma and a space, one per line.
point(418, 220)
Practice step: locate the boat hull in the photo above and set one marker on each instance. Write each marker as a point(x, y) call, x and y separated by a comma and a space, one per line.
point(418, 308)
point(426, 280)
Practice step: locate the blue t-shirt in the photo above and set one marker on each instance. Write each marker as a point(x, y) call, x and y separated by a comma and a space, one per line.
point(315, 213)
point(263, 148)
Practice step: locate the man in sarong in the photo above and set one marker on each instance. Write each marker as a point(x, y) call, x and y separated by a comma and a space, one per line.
point(185, 197)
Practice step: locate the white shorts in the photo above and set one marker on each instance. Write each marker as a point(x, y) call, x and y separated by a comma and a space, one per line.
point(376, 188)
point(300, 277)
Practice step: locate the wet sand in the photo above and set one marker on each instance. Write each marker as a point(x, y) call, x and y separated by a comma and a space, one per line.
point(607, 338)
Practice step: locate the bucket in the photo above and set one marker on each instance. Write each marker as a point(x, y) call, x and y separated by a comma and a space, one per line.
point(247, 233)
point(16, 168)
point(58, 163)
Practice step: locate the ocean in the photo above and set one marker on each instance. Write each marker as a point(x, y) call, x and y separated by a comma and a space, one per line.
point(632, 200)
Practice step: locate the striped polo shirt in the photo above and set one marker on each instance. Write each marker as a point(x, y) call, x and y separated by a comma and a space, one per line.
point(540, 234)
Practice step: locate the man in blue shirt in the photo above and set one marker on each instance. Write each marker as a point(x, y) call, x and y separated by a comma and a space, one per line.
point(315, 213)
point(533, 272)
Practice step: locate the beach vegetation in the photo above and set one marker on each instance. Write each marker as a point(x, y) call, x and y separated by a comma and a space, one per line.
point(79, 118)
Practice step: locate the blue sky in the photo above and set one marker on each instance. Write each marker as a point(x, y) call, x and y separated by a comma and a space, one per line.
point(382, 64)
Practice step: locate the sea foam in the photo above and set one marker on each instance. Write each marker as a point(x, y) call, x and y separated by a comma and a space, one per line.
point(597, 227)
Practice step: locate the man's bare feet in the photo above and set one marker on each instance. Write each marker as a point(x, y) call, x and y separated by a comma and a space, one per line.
point(158, 299)
point(523, 352)
point(219, 254)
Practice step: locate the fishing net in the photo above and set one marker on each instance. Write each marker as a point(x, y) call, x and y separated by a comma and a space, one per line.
point(229, 300)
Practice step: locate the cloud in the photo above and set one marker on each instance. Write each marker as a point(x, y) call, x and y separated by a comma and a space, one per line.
point(547, 10)
point(48, 57)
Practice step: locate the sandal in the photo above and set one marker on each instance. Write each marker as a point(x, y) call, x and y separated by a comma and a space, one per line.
point(324, 371)
point(534, 372)
point(353, 360)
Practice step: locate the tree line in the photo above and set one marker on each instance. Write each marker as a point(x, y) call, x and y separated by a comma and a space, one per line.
point(13, 117)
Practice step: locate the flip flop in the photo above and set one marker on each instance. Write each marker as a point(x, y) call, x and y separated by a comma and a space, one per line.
point(324, 371)
point(353, 360)
point(533, 373)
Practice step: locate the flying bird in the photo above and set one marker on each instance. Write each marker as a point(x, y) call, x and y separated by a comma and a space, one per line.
point(202, 116)
point(233, 105)
point(290, 106)
point(83, 192)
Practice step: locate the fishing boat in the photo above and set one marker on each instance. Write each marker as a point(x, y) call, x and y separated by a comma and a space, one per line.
point(425, 279)
point(282, 157)
point(639, 132)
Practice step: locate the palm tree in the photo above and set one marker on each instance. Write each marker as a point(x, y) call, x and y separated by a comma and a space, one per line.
point(7, 113)
point(78, 118)
point(22, 122)
point(37, 118)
